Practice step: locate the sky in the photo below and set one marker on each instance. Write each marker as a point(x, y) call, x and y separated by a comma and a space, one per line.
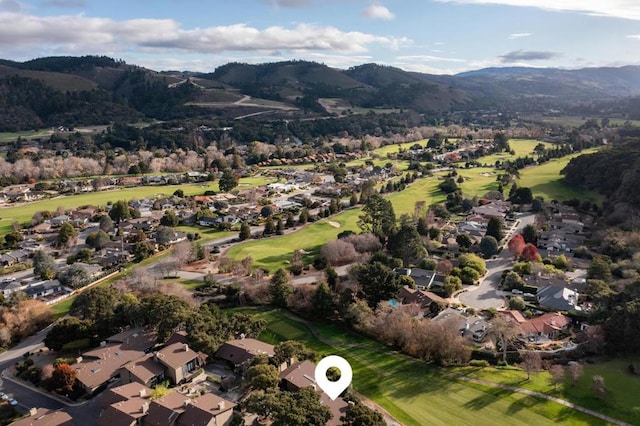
point(431, 36)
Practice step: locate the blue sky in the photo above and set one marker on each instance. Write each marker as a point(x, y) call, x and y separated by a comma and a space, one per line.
point(433, 36)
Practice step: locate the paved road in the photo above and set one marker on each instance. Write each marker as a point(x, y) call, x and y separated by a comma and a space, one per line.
point(486, 295)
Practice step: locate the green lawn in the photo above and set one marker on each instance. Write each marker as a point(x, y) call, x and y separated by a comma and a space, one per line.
point(545, 181)
point(23, 213)
point(416, 393)
point(521, 148)
point(274, 252)
point(621, 402)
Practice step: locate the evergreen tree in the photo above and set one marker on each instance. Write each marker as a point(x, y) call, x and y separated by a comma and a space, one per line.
point(378, 217)
point(280, 288)
point(495, 228)
point(245, 231)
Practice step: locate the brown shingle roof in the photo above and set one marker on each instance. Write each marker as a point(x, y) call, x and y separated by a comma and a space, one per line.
point(124, 412)
point(45, 417)
point(201, 410)
point(240, 350)
point(144, 368)
point(176, 355)
point(123, 393)
point(164, 411)
point(300, 374)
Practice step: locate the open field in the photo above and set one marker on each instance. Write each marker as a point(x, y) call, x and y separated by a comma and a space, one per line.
point(621, 401)
point(576, 121)
point(24, 212)
point(26, 134)
point(545, 181)
point(274, 252)
point(521, 147)
point(416, 393)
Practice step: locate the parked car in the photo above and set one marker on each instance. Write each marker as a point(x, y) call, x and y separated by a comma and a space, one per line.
point(8, 279)
point(13, 402)
point(4, 396)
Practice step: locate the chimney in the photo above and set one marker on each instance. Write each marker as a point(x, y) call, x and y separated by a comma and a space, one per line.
point(186, 347)
point(33, 411)
point(242, 336)
point(145, 407)
point(187, 402)
point(78, 360)
point(143, 393)
point(221, 405)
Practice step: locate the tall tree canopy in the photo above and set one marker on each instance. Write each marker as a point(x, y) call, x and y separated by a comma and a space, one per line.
point(378, 217)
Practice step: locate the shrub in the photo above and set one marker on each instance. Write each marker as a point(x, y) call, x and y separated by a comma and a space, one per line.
point(479, 363)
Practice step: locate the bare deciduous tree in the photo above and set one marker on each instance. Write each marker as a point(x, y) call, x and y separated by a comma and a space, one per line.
point(599, 388)
point(557, 373)
point(531, 362)
point(505, 332)
point(575, 371)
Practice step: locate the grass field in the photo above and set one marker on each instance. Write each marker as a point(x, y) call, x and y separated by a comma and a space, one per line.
point(275, 252)
point(521, 148)
point(621, 402)
point(24, 212)
point(416, 393)
point(545, 181)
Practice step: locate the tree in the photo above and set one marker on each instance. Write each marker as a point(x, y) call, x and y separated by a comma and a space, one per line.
point(67, 235)
point(451, 285)
point(333, 279)
point(280, 288)
point(269, 226)
point(464, 241)
point(378, 282)
point(245, 231)
point(303, 216)
point(378, 217)
point(106, 223)
point(290, 350)
point(359, 414)
point(228, 181)
point(517, 303)
point(98, 239)
point(63, 378)
point(530, 253)
point(599, 388)
point(474, 262)
point(597, 289)
point(516, 245)
point(169, 219)
point(599, 269)
point(531, 362)
point(67, 330)
point(119, 211)
point(164, 235)
point(495, 228)
point(96, 303)
point(279, 226)
point(521, 195)
point(575, 371)
point(488, 246)
point(530, 234)
point(263, 376)
point(407, 245)
point(322, 301)
point(556, 373)
point(143, 250)
point(75, 276)
point(44, 265)
point(505, 331)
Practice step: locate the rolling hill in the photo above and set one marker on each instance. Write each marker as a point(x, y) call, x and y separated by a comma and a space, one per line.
point(88, 90)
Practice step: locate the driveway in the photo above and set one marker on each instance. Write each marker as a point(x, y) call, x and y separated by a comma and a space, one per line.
point(486, 295)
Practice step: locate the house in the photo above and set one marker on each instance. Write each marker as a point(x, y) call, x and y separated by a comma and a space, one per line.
point(301, 375)
point(145, 370)
point(180, 361)
point(59, 220)
point(422, 277)
point(470, 326)
point(99, 366)
point(497, 208)
point(207, 410)
point(165, 411)
point(45, 417)
point(239, 351)
point(41, 228)
point(558, 298)
point(547, 326)
point(208, 221)
point(124, 405)
point(44, 289)
point(14, 257)
point(423, 298)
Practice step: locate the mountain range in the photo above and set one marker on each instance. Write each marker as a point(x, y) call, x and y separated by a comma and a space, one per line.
point(88, 90)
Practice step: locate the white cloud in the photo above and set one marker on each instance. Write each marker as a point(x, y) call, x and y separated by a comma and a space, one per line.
point(79, 33)
point(635, 36)
point(519, 35)
point(377, 11)
point(427, 58)
point(625, 9)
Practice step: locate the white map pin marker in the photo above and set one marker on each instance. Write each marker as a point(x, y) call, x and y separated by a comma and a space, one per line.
point(333, 389)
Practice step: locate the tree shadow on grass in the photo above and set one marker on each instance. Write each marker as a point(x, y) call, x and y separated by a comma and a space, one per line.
point(524, 403)
point(487, 398)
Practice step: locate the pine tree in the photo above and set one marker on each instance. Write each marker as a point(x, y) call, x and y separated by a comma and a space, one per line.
point(280, 288)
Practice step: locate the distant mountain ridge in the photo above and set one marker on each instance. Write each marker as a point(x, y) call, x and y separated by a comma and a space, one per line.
point(99, 90)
